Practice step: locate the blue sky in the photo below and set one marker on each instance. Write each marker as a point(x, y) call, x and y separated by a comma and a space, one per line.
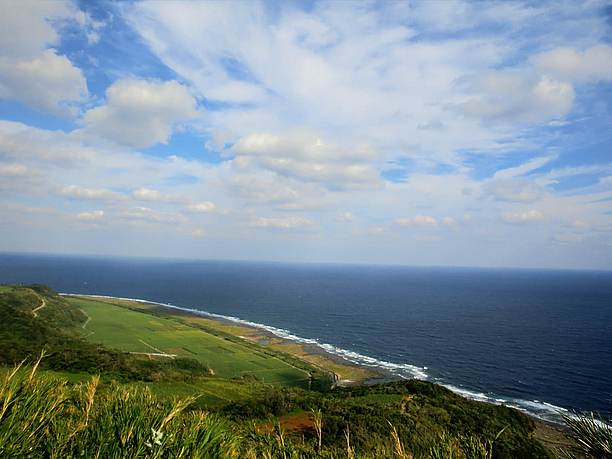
point(421, 133)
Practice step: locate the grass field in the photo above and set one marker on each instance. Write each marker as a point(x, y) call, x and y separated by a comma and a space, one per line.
point(344, 371)
point(131, 331)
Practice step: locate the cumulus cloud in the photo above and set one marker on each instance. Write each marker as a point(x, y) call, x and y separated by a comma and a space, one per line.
point(91, 216)
point(31, 72)
point(283, 223)
point(237, 92)
point(90, 194)
point(376, 230)
point(201, 207)
point(198, 232)
point(529, 216)
point(147, 194)
point(343, 72)
point(48, 82)
point(13, 170)
point(151, 216)
point(267, 189)
point(346, 217)
point(27, 26)
point(418, 220)
point(151, 195)
point(140, 113)
point(21, 142)
point(305, 156)
point(513, 190)
point(449, 222)
point(591, 65)
point(513, 96)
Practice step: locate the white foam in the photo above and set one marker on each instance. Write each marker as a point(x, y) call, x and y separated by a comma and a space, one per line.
point(541, 410)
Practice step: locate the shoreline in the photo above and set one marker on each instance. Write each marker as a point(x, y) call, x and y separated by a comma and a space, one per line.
point(343, 371)
point(348, 367)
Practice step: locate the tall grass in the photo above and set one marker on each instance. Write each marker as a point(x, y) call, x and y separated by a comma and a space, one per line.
point(41, 417)
point(591, 433)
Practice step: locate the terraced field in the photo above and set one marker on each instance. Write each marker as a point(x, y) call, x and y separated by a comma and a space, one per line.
point(121, 328)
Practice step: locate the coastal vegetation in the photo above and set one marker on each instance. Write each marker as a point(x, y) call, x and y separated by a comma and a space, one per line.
point(89, 396)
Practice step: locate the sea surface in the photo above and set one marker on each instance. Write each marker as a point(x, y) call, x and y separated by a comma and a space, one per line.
point(539, 340)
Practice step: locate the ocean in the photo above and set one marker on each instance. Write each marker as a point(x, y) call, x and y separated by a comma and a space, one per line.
point(539, 340)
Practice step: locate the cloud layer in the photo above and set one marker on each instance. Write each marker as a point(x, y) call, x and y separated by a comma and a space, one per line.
point(420, 133)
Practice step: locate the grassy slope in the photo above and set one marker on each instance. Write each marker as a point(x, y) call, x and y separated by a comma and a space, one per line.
point(61, 326)
point(128, 330)
point(285, 348)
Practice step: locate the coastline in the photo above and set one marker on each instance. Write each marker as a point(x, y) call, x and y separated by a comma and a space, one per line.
point(343, 371)
point(342, 364)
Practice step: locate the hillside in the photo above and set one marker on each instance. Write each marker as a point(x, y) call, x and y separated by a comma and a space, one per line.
point(260, 399)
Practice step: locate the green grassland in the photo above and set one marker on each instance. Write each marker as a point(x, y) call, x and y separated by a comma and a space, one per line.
point(289, 351)
point(83, 337)
point(131, 331)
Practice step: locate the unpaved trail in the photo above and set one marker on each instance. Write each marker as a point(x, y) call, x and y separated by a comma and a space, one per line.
point(155, 354)
point(158, 352)
point(87, 321)
point(43, 303)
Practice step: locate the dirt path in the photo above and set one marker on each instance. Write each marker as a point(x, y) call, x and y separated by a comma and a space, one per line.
point(43, 303)
point(87, 321)
point(155, 354)
point(158, 352)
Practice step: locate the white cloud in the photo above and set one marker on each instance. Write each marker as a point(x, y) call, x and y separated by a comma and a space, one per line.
point(140, 113)
point(351, 75)
point(21, 142)
point(305, 156)
point(346, 217)
point(147, 194)
point(591, 65)
point(237, 92)
point(27, 26)
point(355, 75)
point(13, 170)
point(529, 216)
point(265, 188)
point(201, 207)
point(90, 194)
point(198, 232)
point(91, 216)
point(568, 237)
point(376, 230)
point(514, 190)
point(517, 97)
point(31, 72)
point(283, 223)
point(449, 221)
point(48, 82)
point(151, 195)
point(151, 216)
point(524, 168)
point(418, 220)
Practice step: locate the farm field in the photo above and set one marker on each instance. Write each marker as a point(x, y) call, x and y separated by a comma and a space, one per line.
point(120, 328)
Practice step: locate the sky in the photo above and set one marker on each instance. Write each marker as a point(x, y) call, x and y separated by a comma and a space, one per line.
point(419, 133)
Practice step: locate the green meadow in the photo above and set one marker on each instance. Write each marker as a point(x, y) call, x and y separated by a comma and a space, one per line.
point(127, 330)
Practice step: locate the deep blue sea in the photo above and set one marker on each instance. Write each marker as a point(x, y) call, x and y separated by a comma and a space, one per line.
point(535, 339)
